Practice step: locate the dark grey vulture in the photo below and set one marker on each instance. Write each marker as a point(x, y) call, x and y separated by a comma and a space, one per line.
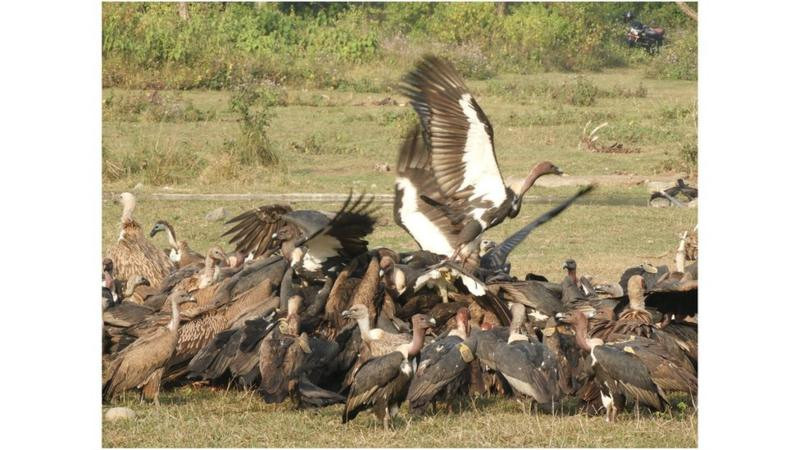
point(443, 370)
point(619, 373)
point(382, 382)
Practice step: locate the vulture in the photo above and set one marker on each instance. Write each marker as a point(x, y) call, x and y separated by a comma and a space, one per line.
point(138, 289)
point(112, 289)
point(288, 357)
point(179, 253)
point(574, 290)
point(382, 382)
point(443, 370)
point(638, 321)
point(449, 188)
point(618, 372)
point(529, 366)
point(374, 341)
point(142, 364)
point(317, 244)
point(133, 254)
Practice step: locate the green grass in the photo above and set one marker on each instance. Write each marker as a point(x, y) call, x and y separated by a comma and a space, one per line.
point(201, 417)
point(352, 134)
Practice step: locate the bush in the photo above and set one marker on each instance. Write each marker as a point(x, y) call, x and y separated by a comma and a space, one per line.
point(148, 46)
point(677, 60)
point(252, 104)
point(581, 92)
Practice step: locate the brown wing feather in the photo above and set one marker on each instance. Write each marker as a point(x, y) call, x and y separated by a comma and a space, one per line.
point(436, 90)
point(253, 229)
point(414, 164)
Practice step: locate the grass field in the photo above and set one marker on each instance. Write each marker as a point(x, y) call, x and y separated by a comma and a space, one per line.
point(204, 418)
point(330, 141)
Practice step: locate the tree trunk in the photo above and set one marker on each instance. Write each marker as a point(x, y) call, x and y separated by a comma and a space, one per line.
point(687, 10)
point(183, 10)
point(501, 8)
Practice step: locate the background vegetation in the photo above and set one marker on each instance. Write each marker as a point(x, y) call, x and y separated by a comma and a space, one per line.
point(339, 45)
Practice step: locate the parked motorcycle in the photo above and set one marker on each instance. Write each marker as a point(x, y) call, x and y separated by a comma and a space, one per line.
point(639, 35)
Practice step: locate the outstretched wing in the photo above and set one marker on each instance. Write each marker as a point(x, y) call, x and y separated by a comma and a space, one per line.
point(354, 221)
point(458, 132)
point(495, 258)
point(428, 225)
point(253, 230)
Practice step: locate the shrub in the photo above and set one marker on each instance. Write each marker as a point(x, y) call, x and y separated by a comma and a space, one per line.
point(147, 45)
point(580, 92)
point(677, 60)
point(252, 104)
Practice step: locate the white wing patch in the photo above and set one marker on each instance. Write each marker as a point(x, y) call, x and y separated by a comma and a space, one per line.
point(320, 248)
point(481, 169)
point(430, 238)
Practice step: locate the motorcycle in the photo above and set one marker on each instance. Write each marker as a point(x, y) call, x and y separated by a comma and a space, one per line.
point(646, 37)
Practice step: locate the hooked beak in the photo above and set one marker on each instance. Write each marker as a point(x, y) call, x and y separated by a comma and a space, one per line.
point(346, 314)
point(557, 171)
point(432, 321)
point(153, 232)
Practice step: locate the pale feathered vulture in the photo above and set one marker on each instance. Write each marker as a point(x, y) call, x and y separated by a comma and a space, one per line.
point(132, 253)
point(453, 168)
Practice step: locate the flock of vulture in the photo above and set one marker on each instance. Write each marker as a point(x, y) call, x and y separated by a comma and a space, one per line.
point(303, 309)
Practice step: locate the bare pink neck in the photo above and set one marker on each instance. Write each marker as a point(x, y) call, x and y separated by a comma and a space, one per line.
point(417, 339)
point(581, 338)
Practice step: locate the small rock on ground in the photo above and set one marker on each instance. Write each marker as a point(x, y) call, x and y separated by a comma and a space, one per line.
point(217, 214)
point(120, 413)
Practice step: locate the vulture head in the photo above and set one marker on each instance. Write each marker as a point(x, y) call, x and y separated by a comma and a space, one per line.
point(574, 317)
point(216, 254)
point(108, 265)
point(422, 322)
point(158, 226)
point(133, 282)
point(357, 312)
point(128, 202)
point(520, 186)
point(485, 246)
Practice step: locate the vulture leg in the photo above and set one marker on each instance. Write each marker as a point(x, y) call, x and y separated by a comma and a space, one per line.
point(386, 420)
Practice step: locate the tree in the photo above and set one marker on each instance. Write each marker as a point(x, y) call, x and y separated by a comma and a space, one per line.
point(687, 10)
